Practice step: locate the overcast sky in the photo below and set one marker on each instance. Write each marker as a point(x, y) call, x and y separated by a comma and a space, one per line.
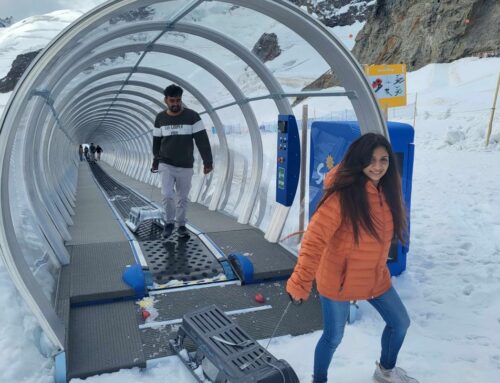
point(20, 9)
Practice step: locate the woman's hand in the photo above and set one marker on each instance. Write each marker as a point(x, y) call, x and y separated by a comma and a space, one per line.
point(295, 301)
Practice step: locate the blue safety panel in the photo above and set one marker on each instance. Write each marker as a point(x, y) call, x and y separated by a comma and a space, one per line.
point(287, 159)
point(329, 142)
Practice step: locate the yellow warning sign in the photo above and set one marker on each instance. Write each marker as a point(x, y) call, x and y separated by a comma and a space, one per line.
point(389, 84)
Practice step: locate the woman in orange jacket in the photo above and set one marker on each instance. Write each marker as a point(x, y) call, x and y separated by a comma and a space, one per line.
point(345, 250)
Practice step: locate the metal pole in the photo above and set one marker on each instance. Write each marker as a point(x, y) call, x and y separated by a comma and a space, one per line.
point(415, 111)
point(303, 161)
point(490, 125)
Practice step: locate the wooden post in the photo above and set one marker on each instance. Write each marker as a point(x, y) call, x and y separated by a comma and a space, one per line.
point(415, 111)
point(385, 112)
point(303, 161)
point(490, 125)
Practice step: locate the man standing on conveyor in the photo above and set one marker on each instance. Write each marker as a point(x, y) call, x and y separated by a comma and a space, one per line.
point(173, 134)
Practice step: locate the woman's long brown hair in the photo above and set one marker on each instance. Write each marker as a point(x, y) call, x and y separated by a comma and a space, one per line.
point(350, 184)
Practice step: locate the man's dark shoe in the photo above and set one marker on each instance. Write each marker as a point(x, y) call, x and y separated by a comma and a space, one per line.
point(182, 231)
point(167, 230)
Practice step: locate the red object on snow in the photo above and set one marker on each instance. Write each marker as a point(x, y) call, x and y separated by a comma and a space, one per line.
point(259, 298)
point(145, 314)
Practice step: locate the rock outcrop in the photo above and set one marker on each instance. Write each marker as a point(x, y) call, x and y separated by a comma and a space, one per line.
point(335, 13)
point(142, 13)
point(267, 47)
point(19, 65)
point(417, 32)
point(5, 22)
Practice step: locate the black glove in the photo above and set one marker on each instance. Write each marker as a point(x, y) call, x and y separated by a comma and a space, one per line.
point(296, 302)
point(154, 167)
point(207, 169)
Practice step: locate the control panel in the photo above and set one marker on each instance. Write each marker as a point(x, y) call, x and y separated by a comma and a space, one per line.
point(288, 159)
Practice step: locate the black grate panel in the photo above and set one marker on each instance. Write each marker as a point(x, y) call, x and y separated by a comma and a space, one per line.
point(301, 319)
point(122, 198)
point(148, 231)
point(180, 259)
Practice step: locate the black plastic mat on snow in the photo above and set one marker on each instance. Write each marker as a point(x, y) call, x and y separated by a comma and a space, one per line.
point(238, 302)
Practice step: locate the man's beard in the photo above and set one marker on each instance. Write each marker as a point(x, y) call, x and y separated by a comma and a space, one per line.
point(175, 108)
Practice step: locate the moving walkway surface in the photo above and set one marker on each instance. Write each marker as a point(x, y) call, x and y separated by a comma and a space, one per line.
point(106, 329)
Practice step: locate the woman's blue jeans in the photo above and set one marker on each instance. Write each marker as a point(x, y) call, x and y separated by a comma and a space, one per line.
point(335, 314)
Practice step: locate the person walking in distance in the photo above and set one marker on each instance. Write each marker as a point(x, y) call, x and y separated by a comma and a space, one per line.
point(80, 152)
point(98, 151)
point(174, 131)
point(92, 152)
point(345, 249)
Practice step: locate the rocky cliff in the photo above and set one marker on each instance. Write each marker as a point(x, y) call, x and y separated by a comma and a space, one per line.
point(418, 32)
point(335, 13)
point(19, 65)
point(5, 22)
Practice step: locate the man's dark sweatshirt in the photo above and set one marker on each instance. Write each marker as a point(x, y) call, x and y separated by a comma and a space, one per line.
point(173, 139)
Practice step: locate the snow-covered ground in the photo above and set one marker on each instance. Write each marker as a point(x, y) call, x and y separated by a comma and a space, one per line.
point(452, 284)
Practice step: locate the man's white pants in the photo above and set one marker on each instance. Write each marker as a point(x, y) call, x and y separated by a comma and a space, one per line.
point(175, 182)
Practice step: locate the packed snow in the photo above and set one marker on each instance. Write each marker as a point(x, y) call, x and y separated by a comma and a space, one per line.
point(452, 284)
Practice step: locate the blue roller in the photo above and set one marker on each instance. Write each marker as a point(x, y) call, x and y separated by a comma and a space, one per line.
point(134, 277)
point(243, 265)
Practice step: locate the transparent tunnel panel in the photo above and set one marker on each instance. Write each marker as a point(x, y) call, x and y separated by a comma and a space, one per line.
point(33, 245)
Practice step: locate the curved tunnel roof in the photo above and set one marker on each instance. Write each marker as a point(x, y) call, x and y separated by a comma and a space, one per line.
point(101, 80)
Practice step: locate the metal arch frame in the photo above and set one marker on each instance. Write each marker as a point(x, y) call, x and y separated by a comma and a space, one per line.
point(219, 189)
point(214, 203)
point(45, 209)
point(117, 115)
point(46, 182)
point(91, 94)
point(216, 37)
point(65, 210)
point(99, 112)
point(82, 27)
point(99, 103)
point(116, 124)
point(21, 275)
point(65, 206)
point(114, 128)
point(17, 267)
point(224, 79)
point(281, 212)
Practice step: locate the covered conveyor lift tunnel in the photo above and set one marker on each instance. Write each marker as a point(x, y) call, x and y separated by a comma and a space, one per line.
point(101, 80)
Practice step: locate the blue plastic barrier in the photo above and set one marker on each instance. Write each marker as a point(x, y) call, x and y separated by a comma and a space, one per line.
point(329, 142)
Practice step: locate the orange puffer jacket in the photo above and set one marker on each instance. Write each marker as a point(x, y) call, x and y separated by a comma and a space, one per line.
point(343, 270)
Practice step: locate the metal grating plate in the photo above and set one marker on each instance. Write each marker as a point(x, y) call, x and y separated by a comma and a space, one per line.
point(104, 338)
point(120, 196)
point(148, 231)
point(96, 271)
point(180, 259)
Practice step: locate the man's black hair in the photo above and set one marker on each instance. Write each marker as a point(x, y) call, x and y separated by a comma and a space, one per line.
point(173, 91)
